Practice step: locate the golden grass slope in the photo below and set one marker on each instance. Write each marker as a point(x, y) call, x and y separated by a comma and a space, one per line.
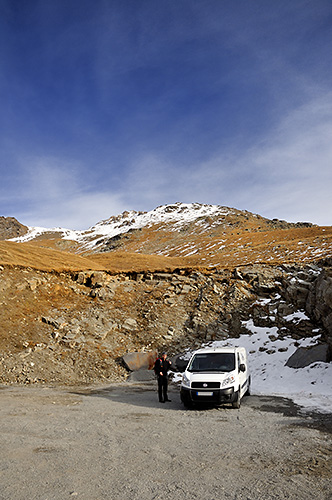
point(152, 249)
point(135, 262)
point(45, 259)
point(31, 255)
point(224, 249)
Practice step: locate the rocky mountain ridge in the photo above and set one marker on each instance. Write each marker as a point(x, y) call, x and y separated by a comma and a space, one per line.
point(180, 217)
point(203, 235)
point(175, 217)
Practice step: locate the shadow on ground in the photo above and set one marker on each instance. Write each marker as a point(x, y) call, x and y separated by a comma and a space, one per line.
point(310, 419)
point(144, 394)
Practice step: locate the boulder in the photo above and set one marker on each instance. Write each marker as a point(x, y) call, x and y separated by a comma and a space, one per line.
point(135, 361)
point(304, 356)
point(319, 302)
point(179, 362)
point(99, 279)
point(130, 324)
point(263, 275)
point(163, 276)
point(82, 277)
point(56, 323)
point(297, 294)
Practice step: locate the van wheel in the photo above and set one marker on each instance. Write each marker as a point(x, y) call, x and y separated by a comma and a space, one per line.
point(186, 402)
point(237, 402)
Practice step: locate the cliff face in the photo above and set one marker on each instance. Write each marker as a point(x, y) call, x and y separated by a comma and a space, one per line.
point(319, 301)
point(74, 327)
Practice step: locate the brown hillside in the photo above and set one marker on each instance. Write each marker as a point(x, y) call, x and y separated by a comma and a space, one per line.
point(135, 262)
point(150, 249)
point(33, 256)
point(63, 319)
point(222, 249)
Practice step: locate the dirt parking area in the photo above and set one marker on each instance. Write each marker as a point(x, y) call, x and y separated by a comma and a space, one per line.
point(119, 442)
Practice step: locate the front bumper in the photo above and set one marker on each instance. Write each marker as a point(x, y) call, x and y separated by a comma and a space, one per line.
point(215, 396)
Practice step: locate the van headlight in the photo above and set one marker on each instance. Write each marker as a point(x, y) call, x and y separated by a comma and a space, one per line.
point(228, 381)
point(185, 381)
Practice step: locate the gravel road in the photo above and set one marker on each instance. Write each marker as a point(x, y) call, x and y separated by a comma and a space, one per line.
point(118, 442)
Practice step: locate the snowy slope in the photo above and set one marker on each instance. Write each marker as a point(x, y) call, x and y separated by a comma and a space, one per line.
point(175, 215)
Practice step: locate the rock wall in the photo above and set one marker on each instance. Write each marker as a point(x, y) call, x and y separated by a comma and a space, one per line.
point(319, 301)
point(75, 328)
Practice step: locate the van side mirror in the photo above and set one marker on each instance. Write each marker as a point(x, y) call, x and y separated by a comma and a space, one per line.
point(242, 367)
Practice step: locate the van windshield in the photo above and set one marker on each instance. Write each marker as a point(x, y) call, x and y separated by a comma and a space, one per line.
point(212, 362)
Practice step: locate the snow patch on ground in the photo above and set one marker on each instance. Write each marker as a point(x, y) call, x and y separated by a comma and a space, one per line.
point(297, 317)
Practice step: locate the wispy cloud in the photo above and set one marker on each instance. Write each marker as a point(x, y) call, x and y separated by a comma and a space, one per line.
point(285, 175)
point(293, 165)
point(52, 193)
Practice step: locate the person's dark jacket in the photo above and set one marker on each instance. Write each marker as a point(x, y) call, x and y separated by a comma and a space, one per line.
point(162, 366)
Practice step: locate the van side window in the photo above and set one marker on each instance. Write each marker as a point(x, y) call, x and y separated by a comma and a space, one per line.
point(238, 362)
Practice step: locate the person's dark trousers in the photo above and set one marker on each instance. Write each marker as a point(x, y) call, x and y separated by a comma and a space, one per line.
point(162, 388)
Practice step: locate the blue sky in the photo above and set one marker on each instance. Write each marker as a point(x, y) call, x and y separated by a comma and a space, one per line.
point(113, 105)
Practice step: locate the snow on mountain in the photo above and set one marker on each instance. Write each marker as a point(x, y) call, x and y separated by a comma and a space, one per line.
point(206, 234)
point(177, 215)
point(36, 232)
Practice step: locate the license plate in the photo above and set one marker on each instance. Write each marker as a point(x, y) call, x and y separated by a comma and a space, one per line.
point(204, 393)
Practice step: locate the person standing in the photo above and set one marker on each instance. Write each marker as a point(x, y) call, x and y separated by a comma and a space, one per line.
point(161, 367)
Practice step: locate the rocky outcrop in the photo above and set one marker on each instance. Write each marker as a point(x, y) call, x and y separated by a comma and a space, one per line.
point(319, 300)
point(305, 356)
point(77, 327)
point(11, 228)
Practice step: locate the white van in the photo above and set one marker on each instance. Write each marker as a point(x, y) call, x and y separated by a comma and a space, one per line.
point(216, 376)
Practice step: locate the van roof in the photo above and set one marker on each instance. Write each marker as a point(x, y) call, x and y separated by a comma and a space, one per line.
point(207, 350)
